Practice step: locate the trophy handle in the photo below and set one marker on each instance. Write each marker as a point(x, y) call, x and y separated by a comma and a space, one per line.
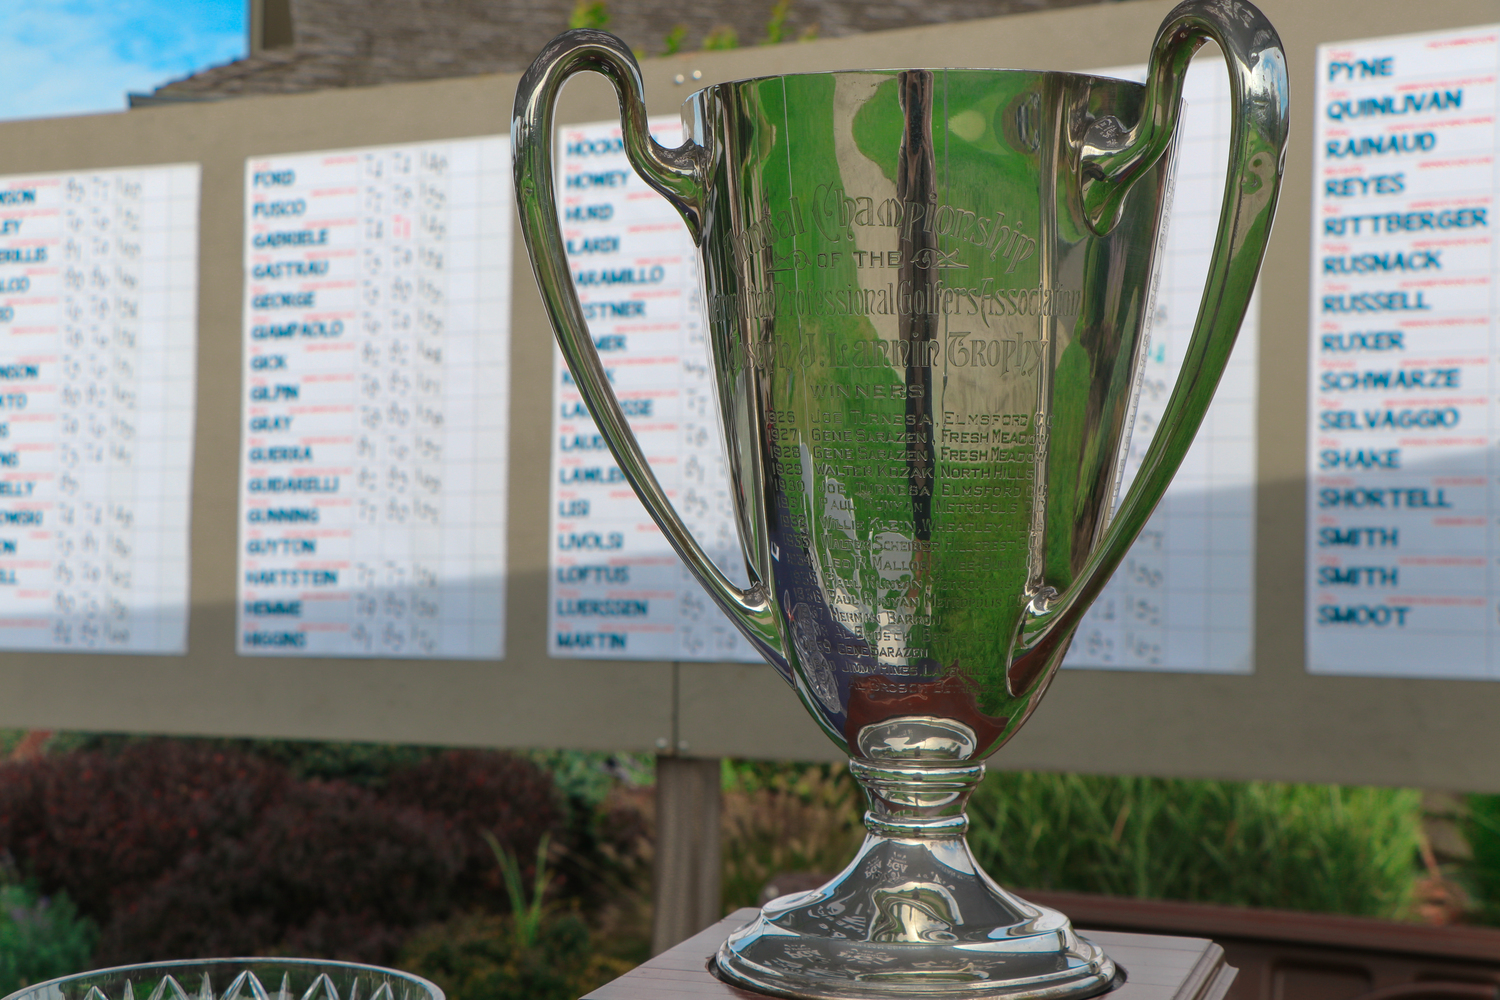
point(1112, 158)
point(677, 174)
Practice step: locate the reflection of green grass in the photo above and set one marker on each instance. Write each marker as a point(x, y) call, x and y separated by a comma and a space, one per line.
point(977, 169)
point(990, 157)
point(812, 165)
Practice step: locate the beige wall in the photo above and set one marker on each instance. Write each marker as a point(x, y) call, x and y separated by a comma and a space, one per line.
point(1277, 723)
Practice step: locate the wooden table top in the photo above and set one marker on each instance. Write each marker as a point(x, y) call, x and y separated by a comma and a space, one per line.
point(1157, 968)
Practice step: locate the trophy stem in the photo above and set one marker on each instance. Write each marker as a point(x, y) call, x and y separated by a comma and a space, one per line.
point(913, 915)
point(917, 801)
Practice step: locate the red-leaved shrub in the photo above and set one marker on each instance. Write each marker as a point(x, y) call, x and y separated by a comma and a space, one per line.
point(104, 827)
point(182, 848)
point(329, 871)
point(478, 791)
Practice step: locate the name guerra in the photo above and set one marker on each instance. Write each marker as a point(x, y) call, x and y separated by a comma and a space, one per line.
point(1390, 104)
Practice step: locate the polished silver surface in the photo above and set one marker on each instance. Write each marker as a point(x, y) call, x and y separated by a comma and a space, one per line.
point(927, 296)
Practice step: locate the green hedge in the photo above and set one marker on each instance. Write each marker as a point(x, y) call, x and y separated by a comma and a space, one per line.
point(1321, 848)
point(41, 938)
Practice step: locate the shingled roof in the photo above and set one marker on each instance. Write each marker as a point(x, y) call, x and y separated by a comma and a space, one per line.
point(355, 43)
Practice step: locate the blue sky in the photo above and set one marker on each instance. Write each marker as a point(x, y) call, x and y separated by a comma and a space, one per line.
point(68, 57)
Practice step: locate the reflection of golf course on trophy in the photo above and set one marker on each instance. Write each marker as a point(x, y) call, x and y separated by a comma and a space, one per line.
point(922, 321)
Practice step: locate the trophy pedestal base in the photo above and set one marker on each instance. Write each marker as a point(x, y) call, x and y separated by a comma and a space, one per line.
point(914, 918)
point(1161, 968)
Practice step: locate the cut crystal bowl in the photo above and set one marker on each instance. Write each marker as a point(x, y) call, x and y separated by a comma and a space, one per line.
point(236, 979)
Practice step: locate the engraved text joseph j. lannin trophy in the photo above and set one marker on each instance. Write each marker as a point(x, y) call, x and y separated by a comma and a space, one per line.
point(927, 294)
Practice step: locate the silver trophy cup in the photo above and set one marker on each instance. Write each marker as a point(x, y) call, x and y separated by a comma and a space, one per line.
point(927, 294)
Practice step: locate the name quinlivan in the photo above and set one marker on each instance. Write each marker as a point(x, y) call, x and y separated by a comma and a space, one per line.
point(1392, 105)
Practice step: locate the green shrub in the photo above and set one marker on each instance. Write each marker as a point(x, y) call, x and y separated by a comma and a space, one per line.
point(41, 938)
point(721, 39)
point(475, 957)
point(1320, 848)
point(1482, 830)
point(588, 14)
point(776, 23)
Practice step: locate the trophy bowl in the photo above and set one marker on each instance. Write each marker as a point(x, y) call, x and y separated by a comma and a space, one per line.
point(927, 293)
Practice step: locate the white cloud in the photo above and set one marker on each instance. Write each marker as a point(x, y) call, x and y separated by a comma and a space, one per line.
point(65, 57)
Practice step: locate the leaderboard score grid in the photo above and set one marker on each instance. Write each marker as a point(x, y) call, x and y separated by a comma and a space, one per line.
point(1404, 489)
point(616, 588)
point(1183, 599)
point(98, 299)
point(373, 490)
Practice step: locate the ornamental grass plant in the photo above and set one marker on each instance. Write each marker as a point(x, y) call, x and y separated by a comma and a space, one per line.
point(779, 818)
point(1319, 848)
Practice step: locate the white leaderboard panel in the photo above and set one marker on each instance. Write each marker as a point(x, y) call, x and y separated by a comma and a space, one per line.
point(1184, 598)
point(616, 588)
point(1404, 484)
point(377, 382)
point(98, 344)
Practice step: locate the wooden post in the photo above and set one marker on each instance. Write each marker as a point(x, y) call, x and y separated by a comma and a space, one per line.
point(270, 25)
point(687, 888)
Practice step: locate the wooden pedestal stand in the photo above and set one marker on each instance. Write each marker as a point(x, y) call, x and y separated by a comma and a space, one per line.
point(1157, 967)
